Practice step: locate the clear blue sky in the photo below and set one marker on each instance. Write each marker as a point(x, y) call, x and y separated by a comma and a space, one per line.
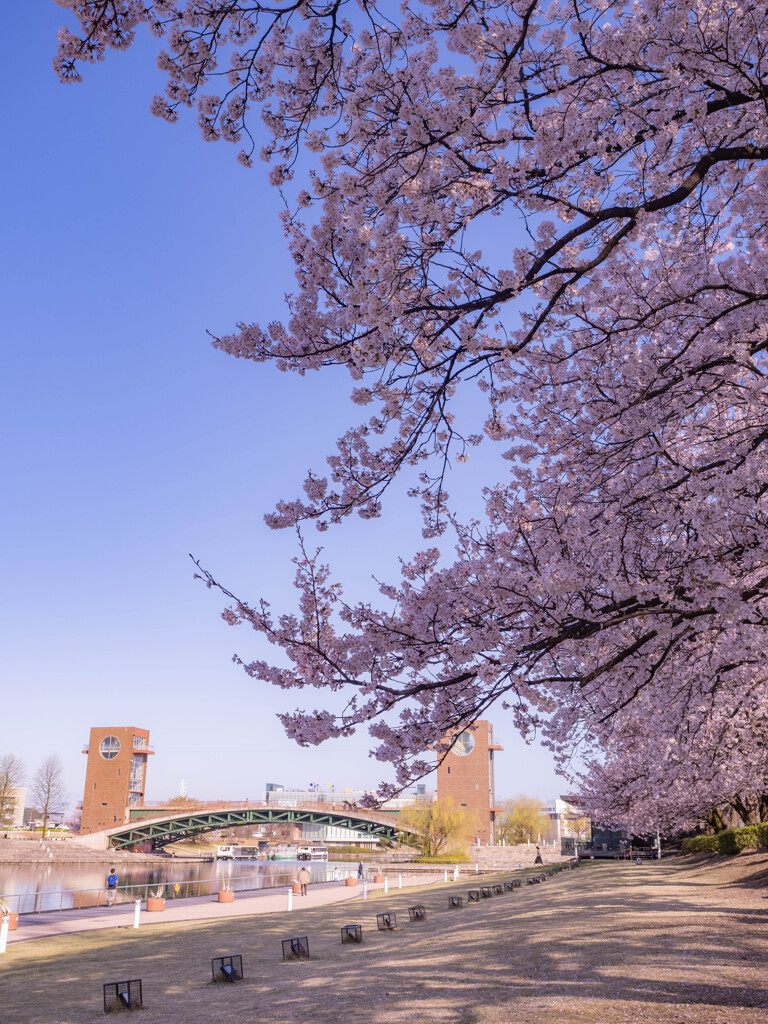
point(128, 442)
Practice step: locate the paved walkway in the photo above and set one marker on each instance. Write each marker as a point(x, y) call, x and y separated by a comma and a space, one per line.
point(197, 908)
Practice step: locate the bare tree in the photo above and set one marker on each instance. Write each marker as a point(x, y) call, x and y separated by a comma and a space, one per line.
point(11, 776)
point(280, 832)
point(48, 788)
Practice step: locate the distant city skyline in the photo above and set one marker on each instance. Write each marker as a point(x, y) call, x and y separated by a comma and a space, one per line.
point(131, 443)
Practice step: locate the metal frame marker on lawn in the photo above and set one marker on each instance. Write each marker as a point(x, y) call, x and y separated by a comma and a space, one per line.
point(227, 968)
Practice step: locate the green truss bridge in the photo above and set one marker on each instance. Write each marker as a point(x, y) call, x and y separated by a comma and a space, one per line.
point(153, 828)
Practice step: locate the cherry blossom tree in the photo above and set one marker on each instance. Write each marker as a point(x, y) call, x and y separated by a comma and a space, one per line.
point(564, 205)
point(669, 775)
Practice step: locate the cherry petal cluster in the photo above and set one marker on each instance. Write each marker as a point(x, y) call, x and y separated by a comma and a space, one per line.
point(564, 205)
point(660, 775)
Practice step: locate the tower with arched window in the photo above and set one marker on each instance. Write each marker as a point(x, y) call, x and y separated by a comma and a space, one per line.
point(465, 775)
point(115, 775)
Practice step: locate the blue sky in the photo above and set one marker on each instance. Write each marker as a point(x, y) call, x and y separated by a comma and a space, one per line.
point(128, 442)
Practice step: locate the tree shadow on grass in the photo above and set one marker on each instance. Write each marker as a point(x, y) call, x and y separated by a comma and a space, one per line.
point(587, 939)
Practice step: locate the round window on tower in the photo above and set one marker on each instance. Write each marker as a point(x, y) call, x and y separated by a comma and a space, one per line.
point(465, 743)
point(109, 747)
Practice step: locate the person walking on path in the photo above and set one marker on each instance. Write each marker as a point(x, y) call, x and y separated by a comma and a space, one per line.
point(360, 871)
point(538, 857)
point(303, 881)
point(112, 881)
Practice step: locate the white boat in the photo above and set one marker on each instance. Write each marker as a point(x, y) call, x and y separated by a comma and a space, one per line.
point(237, 852)
point(316, 853)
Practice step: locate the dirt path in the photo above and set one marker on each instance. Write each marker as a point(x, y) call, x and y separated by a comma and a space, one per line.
point(611, 943)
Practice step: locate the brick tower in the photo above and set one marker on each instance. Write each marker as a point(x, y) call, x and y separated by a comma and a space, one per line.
point(466, 776)
point(115, 775)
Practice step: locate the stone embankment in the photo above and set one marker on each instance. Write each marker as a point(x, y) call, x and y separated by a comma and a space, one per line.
point(496, 858)
point(510, 857)
point(30, 849)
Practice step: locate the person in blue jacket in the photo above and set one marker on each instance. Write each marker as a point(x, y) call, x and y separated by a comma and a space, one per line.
point(112, 881)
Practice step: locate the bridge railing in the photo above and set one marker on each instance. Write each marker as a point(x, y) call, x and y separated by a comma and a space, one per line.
point(337, 806)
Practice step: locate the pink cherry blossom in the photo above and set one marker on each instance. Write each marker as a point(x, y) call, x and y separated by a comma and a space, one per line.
point(614, 598)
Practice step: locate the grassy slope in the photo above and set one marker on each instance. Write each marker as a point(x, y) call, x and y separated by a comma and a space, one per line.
point(678, 942)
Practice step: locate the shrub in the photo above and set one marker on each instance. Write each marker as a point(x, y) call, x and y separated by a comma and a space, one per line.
point(353, 853)
point(444, 858)
point(698, 844)
point(731, 841)
point(726, 841)
point(745, 838)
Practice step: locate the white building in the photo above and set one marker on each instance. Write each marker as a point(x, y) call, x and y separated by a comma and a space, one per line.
point(13, 811)
point(566, 822)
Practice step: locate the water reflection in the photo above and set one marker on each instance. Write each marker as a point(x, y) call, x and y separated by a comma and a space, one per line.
point(32, 887)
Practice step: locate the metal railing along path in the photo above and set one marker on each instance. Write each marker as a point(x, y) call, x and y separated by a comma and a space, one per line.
point(80, 899)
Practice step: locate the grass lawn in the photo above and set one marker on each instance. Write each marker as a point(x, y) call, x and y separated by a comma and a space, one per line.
point(611, 943)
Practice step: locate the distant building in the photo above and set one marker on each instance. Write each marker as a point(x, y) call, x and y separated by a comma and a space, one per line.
point(337, 800)
point(12, 810)
point(466, 775)
point(608, 841)
point(567, 825)
point(115, 775)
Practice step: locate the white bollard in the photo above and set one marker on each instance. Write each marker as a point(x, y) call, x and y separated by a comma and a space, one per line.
point(386, 884)
point(399, 881)
point(455, 873)
point(365, 888)
point(445, 874)
point(136, 912)
point(290, 898)
point(4, 932)
point(477, 869)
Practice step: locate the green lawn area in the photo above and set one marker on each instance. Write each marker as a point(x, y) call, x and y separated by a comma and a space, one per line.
point(607, 943)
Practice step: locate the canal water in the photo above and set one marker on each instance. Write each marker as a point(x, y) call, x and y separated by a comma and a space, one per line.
point(27, 888)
